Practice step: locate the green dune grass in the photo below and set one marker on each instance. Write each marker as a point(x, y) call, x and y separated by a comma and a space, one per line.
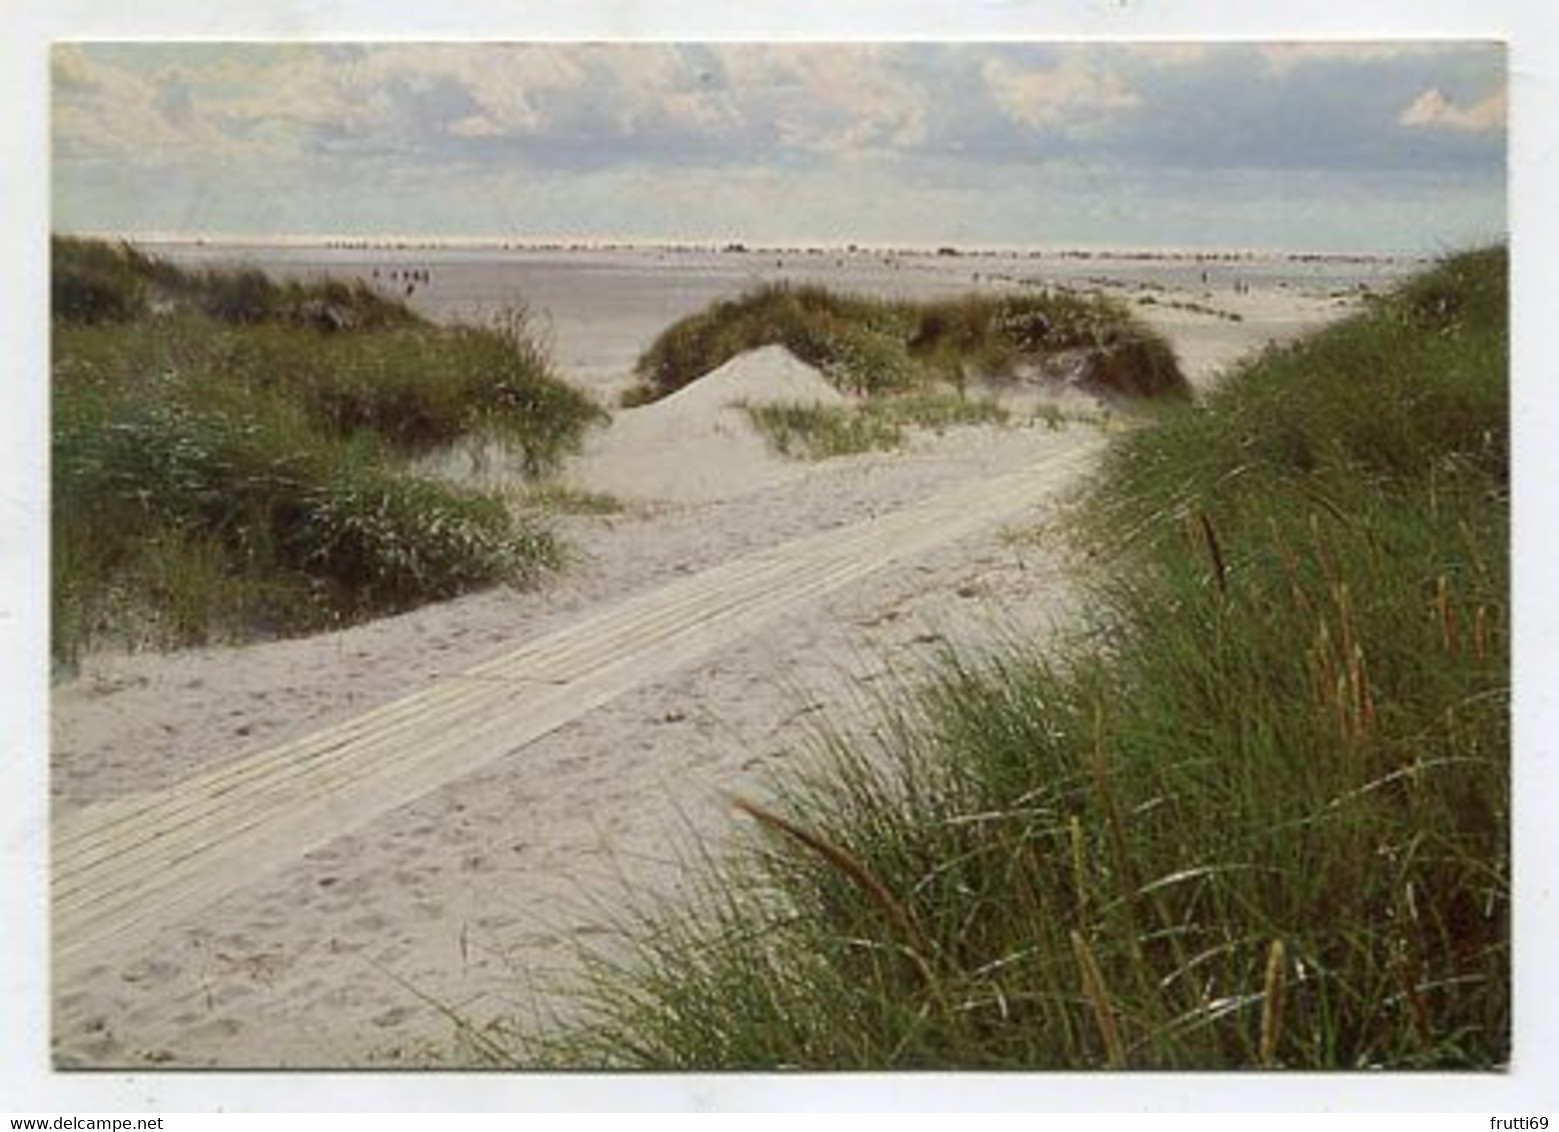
point(231, 455)
point(877, 347)
point(817, 432)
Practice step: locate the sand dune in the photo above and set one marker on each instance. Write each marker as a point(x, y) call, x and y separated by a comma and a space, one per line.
point(697, 445)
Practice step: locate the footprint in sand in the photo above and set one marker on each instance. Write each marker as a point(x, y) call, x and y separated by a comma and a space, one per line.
point(217, 1028)
point(394, 1016)
point(153, 972)
point(373, 922)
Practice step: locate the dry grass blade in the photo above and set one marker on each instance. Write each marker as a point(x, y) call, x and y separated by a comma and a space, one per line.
point(1120, 843)
point(843, 861)
point(1079, 873)
point(1447, 614)
point(1272, 1004)
point(1099, 1000)
point(1215, 552)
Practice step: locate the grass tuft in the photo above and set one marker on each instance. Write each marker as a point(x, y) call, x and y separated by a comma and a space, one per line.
point(897, 916)
point(819, 432)
point(231, 455)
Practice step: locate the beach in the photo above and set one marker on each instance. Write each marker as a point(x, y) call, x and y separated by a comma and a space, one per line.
point(600, 307)
point(468, 902)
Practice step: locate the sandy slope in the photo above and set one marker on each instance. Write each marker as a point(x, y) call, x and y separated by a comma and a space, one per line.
point(697, 445)
point(468, 880)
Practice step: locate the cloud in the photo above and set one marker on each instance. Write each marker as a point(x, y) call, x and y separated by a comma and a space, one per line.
point(1073, 94)
point(831, 99)
point(1433, 110)
point(472, 129)
point(476, 126)
point(1303, 107)
point(592, 105)
point(109, 114)
point(160, 103)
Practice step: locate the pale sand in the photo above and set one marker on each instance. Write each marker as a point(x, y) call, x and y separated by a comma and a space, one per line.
point(697, 445)
point(474, 894)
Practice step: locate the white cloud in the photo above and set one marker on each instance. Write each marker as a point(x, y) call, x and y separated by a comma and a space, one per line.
point(476, 126)
point(1076, 92)
point(109, 112)
point(1432, 109)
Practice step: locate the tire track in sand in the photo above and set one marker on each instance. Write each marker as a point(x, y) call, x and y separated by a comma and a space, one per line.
point(123, 870)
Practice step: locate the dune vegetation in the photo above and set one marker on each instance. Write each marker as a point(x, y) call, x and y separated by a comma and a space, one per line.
point(1255, 815)
point(817, 432)
point(879, 348)
point(232, 455)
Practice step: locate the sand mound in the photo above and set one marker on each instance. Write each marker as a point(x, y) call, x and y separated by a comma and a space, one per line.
point(697, 445)
point(764, 376)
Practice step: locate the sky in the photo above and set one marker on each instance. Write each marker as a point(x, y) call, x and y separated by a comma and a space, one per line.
point(1362, 146)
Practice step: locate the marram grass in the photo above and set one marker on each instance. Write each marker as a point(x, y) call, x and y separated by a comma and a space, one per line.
point(819, 432)
point(231, 455)
point(875, 347)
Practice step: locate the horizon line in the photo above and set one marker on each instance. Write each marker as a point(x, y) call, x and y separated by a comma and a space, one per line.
point(736, 245)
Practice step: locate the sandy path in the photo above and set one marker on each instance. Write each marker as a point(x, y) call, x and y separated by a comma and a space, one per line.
point(140, 881)
point(124, 869)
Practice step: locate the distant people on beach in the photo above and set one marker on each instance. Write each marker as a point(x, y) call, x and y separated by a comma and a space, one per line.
point(408, 278)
